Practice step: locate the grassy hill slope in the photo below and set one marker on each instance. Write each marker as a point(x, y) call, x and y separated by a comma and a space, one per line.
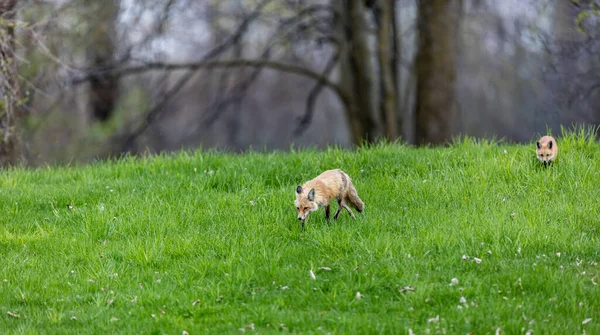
point(210, 243)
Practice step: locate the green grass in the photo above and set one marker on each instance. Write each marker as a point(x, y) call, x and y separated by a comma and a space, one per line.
point(210, 243)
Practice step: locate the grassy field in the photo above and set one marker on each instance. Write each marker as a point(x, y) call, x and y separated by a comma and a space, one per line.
point(210, 243)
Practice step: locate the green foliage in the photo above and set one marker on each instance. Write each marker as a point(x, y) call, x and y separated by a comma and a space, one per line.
point(209, 243)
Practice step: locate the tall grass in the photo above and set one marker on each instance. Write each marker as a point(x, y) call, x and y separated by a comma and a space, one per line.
point(209, 243)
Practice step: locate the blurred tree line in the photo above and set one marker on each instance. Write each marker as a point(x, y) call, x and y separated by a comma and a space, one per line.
point(86, 79)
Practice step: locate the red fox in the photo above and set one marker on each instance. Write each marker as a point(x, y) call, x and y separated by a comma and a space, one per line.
point(547, 149)
point(331, 184)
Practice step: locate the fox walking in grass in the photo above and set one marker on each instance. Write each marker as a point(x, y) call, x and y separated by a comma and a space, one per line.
point(329, 185)
point(546, 149)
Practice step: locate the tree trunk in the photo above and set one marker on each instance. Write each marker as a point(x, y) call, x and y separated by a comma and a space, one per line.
point(104, 88)
point(436, 107)
point(10, 151)
point(358, 74)
point(386, 49)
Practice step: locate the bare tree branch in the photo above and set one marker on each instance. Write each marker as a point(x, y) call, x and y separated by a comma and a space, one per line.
point(207, 63)
point(306, 119)
point(158, 108)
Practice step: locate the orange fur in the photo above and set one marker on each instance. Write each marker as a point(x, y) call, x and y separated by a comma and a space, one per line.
point(329, 185)
point(546, 149)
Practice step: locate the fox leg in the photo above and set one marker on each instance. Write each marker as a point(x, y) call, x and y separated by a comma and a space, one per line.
point(348, 209)
point(335, 217)
point(327, 208)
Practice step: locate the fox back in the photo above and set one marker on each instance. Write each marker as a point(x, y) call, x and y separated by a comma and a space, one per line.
point(546, 149)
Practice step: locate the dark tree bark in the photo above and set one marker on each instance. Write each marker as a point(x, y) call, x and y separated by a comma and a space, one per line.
point(104, 87)
point(386, 56)
point(358, 74)
point(436, 107)
point(10, 151)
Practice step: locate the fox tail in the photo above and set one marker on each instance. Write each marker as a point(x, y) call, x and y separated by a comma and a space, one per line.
point(354, 200)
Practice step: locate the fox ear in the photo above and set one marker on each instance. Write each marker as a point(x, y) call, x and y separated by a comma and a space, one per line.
point(311, 195)
point(550, 145)
point(539, 146)
point(299, 189)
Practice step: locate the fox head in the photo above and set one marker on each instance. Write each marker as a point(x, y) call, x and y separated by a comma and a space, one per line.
point(305, 202)
point(544, 151)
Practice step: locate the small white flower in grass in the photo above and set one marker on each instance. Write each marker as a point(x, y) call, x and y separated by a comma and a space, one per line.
point(407, 288)
point(312, 275)
point(593, 282)
point(453, 282)
point(196, 302)
point(434, 320)
point(558, 254)
point(463, 300)
point(252, 202)
point(586, 321)
point(358, 295)
point(73, 318)
point(529, 332)
point(408, 256)
point(324, 268)
point(185, 333)
point(477, 260)
point(13, 315)
point(5, 280)
point(153, 315)
point(465, 257)
point(489, 252)
point(113, 319)
point(250, 326)
point(134, 300)
point(410, 332)
point(519, 250)
point(284, 288)
point(459, 307)
point(505, 152)
point(158, 280)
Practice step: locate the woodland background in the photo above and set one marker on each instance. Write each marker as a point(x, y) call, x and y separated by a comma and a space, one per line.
point(90, 79)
